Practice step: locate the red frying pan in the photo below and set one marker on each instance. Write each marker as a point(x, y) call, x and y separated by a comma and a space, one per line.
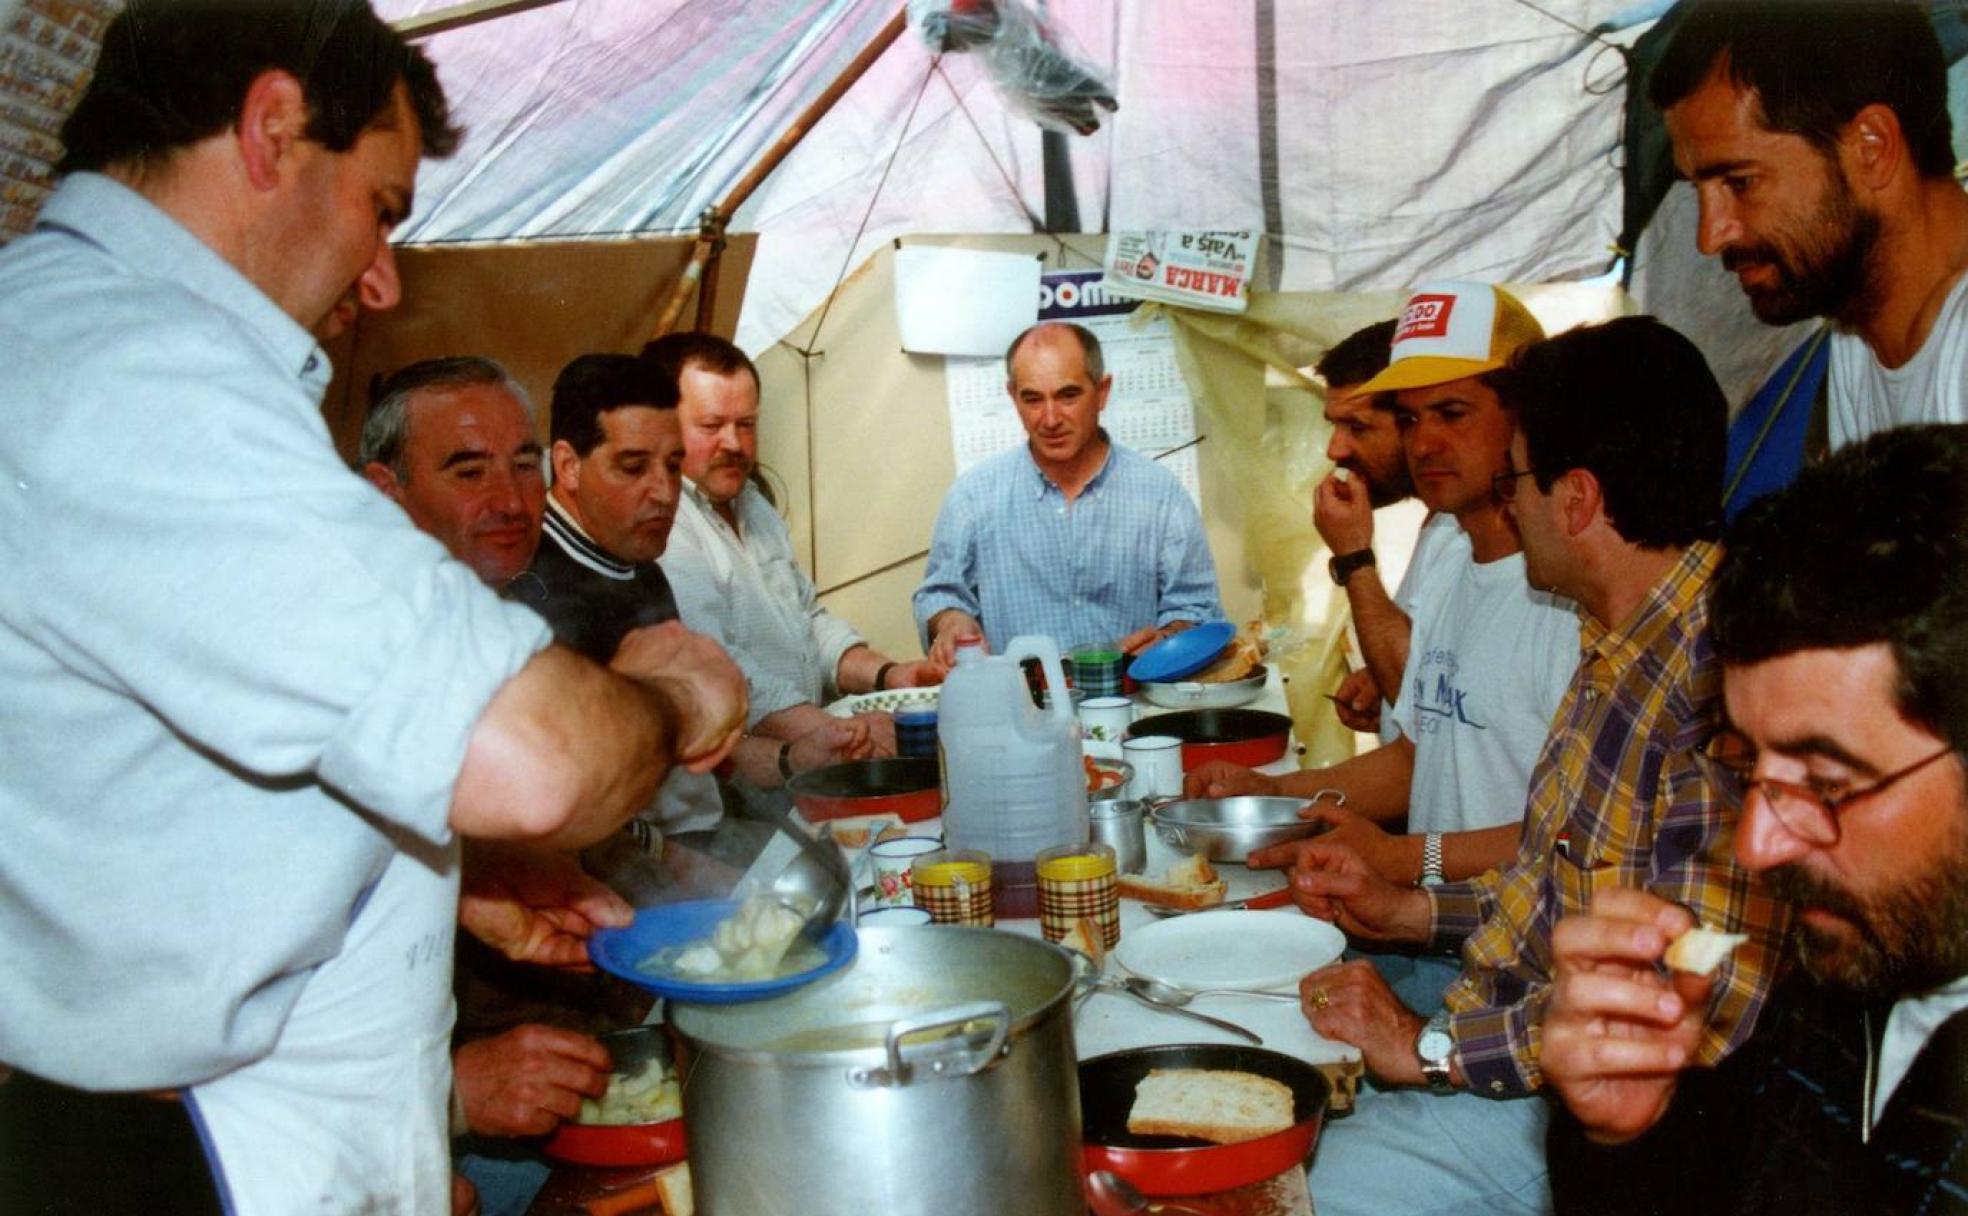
point(1172, 1165)
point(1249, 737)
point(909, 786)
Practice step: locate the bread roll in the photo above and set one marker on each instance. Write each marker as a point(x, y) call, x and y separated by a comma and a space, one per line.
point(1700, 951)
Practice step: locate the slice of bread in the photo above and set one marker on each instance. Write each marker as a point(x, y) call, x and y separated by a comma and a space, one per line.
point(1085, 936)
point(673, 1189)
point(1218, 1105)
point(1191, 883)
point(1700, 951)
point(1238, 660)
point(860, 831)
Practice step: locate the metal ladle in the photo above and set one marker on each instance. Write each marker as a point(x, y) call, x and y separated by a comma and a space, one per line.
point(816, 882)
point(1174, 997)
point(1112, 1195)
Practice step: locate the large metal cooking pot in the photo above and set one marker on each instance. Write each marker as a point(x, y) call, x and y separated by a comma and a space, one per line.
point(934, 1075)
point(908, 786)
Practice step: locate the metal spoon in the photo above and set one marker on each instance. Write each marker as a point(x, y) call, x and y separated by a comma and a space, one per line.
point(1241, 1032)
point(1112, 1195)
point(1169, 994)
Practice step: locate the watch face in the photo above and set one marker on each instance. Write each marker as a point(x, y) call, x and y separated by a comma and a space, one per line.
point(1434, 1044)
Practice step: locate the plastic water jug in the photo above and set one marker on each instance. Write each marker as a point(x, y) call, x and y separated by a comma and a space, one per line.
point(1013, 781)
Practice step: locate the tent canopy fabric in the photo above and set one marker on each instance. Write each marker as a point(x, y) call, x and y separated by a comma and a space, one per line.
point(1376, 144)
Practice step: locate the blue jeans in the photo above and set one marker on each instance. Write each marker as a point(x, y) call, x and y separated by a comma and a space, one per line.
point(1420, 1153)
point(1418, 979)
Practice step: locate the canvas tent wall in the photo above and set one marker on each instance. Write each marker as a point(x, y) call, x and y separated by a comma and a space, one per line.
point(1375, 142)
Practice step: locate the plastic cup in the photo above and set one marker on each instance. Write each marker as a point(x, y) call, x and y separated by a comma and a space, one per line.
point(955, 885)
point(915, 732)
point(1097, 669)
point(1078, 881)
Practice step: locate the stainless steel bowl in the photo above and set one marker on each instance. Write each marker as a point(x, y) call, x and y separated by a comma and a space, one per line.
point(1119, 788)
point(1190, 694)
point(1228, 829)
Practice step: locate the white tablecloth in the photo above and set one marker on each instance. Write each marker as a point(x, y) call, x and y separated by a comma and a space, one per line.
point(1113, 1021)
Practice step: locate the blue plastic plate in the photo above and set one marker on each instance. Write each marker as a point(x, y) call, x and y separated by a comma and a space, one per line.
point(1182, 654)
point(620, 952)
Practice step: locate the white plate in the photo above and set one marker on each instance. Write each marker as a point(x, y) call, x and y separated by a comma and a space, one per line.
point(1271, 949)
point(887, 702)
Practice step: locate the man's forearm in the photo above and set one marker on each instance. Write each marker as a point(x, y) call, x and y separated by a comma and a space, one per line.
point(792, 722)
point(1467, 854)
point(858, 668)
point(1375, 784)
point(1382, 628)
point(564, 753)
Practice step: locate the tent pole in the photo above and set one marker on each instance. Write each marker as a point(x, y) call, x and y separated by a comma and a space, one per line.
point(458, 16)
point(710, 238)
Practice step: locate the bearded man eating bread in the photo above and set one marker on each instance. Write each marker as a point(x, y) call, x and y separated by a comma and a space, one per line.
point(1852, 1093)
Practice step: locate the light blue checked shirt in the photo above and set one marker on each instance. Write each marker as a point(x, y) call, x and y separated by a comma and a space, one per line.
point(1012, 552)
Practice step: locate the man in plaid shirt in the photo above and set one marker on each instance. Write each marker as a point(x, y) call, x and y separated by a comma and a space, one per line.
point(1615, 488)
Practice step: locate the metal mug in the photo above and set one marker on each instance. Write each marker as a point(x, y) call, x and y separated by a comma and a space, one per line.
point(1121, 825)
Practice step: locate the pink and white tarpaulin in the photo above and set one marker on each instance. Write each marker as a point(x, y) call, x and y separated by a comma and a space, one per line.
point(1376, 142)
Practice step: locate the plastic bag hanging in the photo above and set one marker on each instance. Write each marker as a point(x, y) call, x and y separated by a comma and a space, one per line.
point(1021, 57)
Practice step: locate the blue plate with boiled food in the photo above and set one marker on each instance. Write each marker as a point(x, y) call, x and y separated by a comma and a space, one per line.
point(628, 953)
point(1182, 654)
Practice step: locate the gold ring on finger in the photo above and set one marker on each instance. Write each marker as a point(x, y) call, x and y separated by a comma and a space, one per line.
point(1319, 998)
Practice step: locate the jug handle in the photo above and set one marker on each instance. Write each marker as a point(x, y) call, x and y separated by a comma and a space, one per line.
point(1046, 651)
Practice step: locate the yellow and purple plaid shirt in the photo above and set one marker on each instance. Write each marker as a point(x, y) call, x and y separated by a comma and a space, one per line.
point(1623, 795)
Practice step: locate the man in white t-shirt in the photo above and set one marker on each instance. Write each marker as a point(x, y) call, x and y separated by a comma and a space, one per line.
point(1489, 657)
point(1818, 141)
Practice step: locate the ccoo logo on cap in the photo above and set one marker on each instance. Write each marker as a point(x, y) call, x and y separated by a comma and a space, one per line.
point(1452, 331)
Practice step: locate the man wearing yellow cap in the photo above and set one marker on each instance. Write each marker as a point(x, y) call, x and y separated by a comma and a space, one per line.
point(1488, 656)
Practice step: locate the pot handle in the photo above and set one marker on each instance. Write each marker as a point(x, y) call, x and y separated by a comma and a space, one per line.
point(947, 1058)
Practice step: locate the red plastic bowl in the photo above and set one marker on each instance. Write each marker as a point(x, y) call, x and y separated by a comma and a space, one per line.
point(1172, 1165)
point(617, 1145)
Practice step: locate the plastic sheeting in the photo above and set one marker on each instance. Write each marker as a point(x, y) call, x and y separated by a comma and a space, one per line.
point(1376, 142)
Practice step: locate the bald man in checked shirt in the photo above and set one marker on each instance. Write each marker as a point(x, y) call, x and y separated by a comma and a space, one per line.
point(1072, 537)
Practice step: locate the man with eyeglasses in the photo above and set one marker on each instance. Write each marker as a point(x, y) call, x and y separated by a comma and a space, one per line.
point(1614, 485)
point(1842, 620)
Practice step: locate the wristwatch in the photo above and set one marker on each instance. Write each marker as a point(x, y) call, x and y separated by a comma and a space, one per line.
point(1431, 860)
point(1434, 1045)
point(1342, 566)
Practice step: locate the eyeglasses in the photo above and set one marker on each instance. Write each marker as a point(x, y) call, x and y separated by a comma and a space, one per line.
point(1504, 485)
point(1809, 814)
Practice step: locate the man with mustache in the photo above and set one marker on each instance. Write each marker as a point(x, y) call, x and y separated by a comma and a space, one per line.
point(1489, 656)
point(1614, 484)
point(1818, 141)
point(732, 560)
point(1842, 619)
point(1072, 536)
point(1370, 471)
point(617, 452)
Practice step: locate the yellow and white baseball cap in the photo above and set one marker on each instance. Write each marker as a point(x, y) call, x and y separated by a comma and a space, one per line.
point(1451, 331)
